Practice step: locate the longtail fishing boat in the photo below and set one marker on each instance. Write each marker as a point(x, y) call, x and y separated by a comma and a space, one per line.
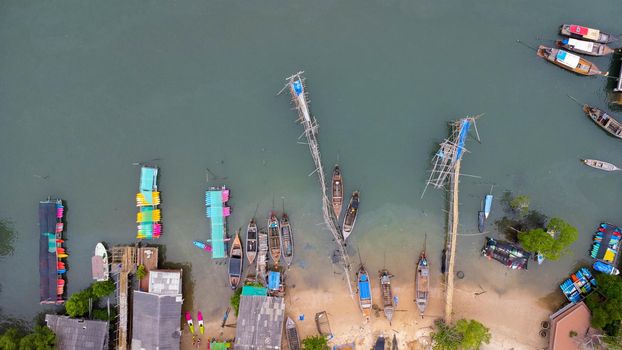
point(365, 296)
point(148, 202)
point(100, 268)
point(599, 164)
point(580, 32)
point(292, 334)
point(274, 239)
point(190, 322)
point(422, 285)
point(200, 319)
point(387, 294)
point(262, 255)
point(235, 262)
point(52, 268)
point(584, 47)
point(287, 240)
point(604, 120)
point(351, 214)
point(337, 190)
point(481, 221)
point(251, 241)
point(568, 61)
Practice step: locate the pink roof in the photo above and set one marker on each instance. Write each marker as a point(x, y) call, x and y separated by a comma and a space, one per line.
point(578, 29)
point(576, 318)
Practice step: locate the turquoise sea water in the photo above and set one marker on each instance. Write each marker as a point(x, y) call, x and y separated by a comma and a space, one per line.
point(88, 88)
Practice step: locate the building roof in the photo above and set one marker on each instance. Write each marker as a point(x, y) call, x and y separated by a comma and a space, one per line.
point(73, 333)
point(573, 317)
point(165, 282)
point(260, 322)
point(156, 321)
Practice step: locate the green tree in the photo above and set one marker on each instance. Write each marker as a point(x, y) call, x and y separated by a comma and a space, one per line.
point(141, 272)
point(445, 337)
point(9, 340)
point(520, 204)
point(317, 342)
point(102, 314)
point(41, 339)
point(78, 303)
point(551, 245)
point(473, 334)
point(102, 288)
point(606, 305)
point(235, 300)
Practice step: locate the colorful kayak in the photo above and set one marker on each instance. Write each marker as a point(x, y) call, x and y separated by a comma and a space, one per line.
point(190, 323)
point(200, 319)
point(202, 246)
point(605, 268)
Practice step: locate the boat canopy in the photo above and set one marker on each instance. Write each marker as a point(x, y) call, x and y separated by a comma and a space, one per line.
point(464, 131)
point(567, 59)
point(580, 44)
point(589, 33)
point(364, 289)
point(274, 280)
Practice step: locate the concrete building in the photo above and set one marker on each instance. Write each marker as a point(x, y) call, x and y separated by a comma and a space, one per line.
point(260, 320)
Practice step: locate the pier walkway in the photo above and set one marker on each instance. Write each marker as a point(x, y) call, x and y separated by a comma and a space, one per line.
point(123, 263)
point(296, 86)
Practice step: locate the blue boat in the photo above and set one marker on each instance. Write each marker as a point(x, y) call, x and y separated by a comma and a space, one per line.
point(605, 268)
point(365, 299)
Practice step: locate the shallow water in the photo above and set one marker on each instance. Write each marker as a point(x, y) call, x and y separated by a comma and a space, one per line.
point(89, 88)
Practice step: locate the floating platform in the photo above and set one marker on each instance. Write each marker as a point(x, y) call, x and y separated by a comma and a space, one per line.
point(217, 211)
point(52, 266)
point(149, 216)
point(578, 286)
point(606, 245)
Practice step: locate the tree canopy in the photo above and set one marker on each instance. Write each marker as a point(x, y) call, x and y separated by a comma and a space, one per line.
point(102, 288)
point(520, 204)
point(606, 305)
point(551, 246)
point(317, 342)
point(466, 334)
point(78, 303)
point(42, 338)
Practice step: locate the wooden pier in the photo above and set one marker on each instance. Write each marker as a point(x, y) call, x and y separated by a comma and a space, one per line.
point(296, 85)
point(446, 167)
point(123, 263)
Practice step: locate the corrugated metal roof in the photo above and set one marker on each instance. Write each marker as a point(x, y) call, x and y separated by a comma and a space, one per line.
point(260, 323)
point(165, 282)
point(73, 333)
point(156, 321)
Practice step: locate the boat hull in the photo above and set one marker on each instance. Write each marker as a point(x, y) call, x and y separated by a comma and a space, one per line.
point(274, 239)
point(583, 67)
point(422, 284)
point(292, 334)
point(337, 191)
point(251, 242)
point(387, 295)
point(481, 221)
point(364, 292)
point(604, 120)
point(235, 262)
point(287, 240)
point(102, 254)
point(588, 34)
point(351, 215)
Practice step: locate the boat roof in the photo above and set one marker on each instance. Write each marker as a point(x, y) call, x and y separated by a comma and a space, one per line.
point(97, 267)
point(567, 58)
point(235, 266)
point(274, 280)
point(364, 288)
point(590, 33)
point(216, 212)
point(579, 44)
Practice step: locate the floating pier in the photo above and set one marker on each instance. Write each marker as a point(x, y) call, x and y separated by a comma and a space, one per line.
point(217, 212)
point(148, 202)
point(446, 168)
point(296, 86)
point(52, 254)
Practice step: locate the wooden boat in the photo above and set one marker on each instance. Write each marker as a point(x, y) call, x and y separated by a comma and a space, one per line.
point(251, 241)
point(604, 120)
point(599, 164)
point(274, 239)
point(292, 334)
point(380, 343)
point(584, 47)
point(200, 319)
point(337, 191)
point(422, 283)
point(387, 294)
point(99, 263)
point(364, 289)
point(235, 262)
point(568, 61)
point(262, 254)
point(190, 323)
point(323, 326)
point(481, 220)
point(351, 213)
point(287, 240)
point(580, 32)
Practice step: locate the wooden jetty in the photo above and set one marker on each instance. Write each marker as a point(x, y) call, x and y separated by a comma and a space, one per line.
point(123, 263)
point(295, 84)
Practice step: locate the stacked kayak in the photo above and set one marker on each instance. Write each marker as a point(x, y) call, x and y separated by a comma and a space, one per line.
point(606, 245)
point(578, 285)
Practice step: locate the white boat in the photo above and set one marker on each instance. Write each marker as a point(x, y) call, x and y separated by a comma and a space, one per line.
point(99, 263)
point(599, 164)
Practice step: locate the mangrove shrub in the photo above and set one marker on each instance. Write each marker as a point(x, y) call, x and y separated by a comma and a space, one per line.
point(78, 303)
point(317, 342)
point(102, 288)
point(466, 334)
point(551, 247)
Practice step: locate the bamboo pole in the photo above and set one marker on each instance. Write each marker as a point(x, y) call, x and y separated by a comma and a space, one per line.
point(449, 292)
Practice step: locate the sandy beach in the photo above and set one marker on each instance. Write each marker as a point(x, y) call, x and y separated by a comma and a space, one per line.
point(513, 317)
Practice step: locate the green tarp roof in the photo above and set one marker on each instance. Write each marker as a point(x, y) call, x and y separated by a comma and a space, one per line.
point(251, 291)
